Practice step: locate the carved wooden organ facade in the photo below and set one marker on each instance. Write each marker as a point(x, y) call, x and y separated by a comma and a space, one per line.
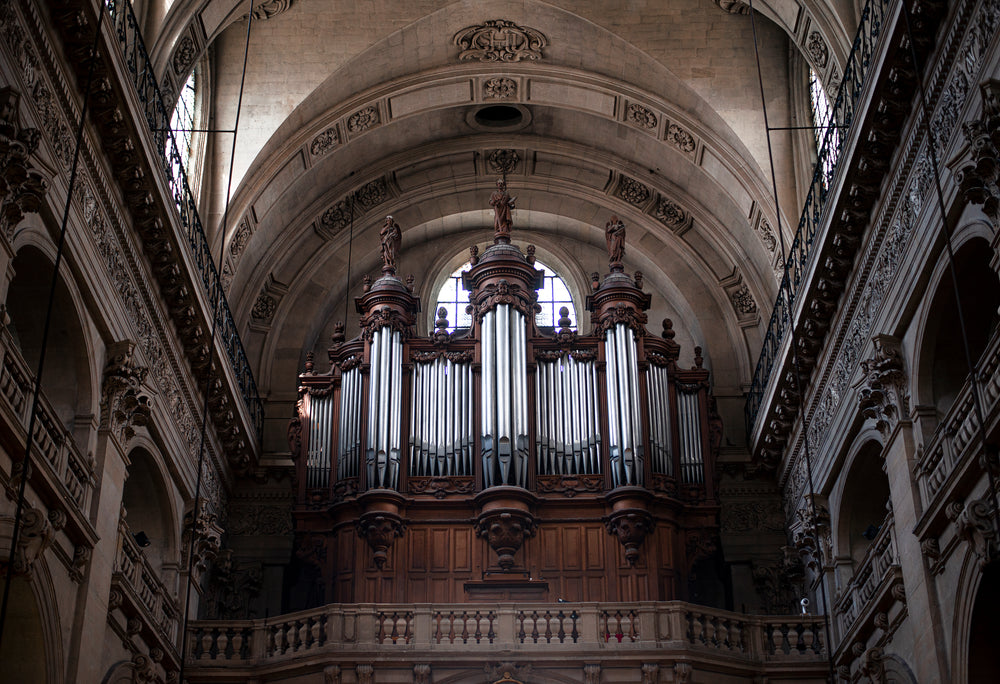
point(504, 461)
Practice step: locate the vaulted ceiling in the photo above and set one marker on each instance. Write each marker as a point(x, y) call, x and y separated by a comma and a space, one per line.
point(650, 110)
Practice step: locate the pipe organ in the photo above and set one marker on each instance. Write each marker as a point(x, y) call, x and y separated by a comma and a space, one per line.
point(504, 460)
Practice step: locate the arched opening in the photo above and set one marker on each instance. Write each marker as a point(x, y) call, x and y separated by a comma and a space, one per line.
point(984, 660)
point(66, 376)
point(979, 292)
point(864, 505)
point(552, 296)
point(147, 510)
point(23, 650)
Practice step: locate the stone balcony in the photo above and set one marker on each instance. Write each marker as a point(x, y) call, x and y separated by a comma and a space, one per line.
point(869, 597)
point(458, 637)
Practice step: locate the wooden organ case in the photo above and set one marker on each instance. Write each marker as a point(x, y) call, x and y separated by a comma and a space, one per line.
point(504, 462)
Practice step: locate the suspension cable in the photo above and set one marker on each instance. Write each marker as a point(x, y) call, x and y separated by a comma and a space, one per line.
point(216, 305)
point(37, 389)
point(786, 283)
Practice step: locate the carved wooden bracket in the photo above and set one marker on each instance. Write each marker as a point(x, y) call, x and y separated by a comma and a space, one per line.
point(505, 521)
point(382, 522)
point(630, 519)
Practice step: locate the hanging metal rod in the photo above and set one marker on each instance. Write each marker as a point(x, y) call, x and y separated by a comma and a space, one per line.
point(194, 130)
point(805, 128)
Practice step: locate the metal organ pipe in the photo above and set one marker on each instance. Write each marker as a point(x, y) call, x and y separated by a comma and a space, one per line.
point(320, 423)
point(659, 420)
point(384, 405)
point(441, 440)
point(566, 435)
point(692, 460)
point(623, 406)
point(504, 397)
point(350, 424)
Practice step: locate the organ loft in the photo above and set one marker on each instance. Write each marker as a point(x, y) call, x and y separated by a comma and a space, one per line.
point(505, 460)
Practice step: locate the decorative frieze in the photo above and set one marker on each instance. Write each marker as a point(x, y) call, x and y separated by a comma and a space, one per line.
point(632, 191)
point(671, 214)
point(502, 161)
point(499, 40)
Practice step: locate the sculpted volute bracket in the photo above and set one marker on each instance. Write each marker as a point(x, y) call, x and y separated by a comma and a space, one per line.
point(883, 395)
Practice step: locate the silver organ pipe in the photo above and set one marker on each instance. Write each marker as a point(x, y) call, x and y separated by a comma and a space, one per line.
point(504, 398)
point(349, 442)
point(320, 424)
point(384, 405)
point(660, 440)
point(692, 460)
point(566, 437)
point(441, 431)
point(623, 406)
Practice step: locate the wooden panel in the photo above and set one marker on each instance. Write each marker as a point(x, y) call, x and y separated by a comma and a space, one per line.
point(416, 540)
point(572, 548)
point(594, 538)
point(551, 554)
point(439, 538)
point(462, 549)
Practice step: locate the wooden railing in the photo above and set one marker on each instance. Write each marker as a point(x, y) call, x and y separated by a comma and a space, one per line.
point(584, 628)
point(142, 587)
point(54, 449)
point(871, 580)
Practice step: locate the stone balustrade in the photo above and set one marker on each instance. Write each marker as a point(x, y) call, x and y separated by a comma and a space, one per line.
point(587, 629)
point(141, 594)
point(871, 583)
point(55, 453)
point(956, 444)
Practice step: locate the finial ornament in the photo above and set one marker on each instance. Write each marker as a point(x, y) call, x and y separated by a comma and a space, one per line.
point(614, 233)
point(502, 204)
point(391, 237)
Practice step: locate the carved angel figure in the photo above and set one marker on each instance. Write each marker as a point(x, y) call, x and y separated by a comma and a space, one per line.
point(392, 237)
point(502, 204)
point(614, 233)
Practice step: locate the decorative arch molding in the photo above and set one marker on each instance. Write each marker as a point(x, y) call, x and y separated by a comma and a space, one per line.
point(865, 438)
point(143, 441)
point(966, 591)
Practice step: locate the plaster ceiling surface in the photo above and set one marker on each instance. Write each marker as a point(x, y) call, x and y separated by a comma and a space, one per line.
point(647, 110)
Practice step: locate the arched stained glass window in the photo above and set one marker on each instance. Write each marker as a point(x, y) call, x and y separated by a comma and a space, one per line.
point(826, 132)
point(182, 123)
point(551, 297)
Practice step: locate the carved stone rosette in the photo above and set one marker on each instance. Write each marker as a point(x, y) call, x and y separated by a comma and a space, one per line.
point(630, 520)
point(505, 521)
point(382, 522)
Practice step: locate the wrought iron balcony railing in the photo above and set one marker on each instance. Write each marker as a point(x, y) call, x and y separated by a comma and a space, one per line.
point(157, 114)
point(842, 114)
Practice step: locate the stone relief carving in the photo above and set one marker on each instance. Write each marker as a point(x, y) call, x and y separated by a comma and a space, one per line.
point(502, 161)
point(240, 239)
point(650, 673)
point(632, 191)
point(747, 516)
point(264, 308)
point(34, 538)
point(324, 142)
point(232, 588)
point(372, 194)
point(499, 40)
point(336, 218)
point(974, 521)
point(743, 301)
point(364, 119)
point(365, 673)
point(184, 55)
point(816, 47)
point(980, 177)
point(331, 674)
point(883, 394)
point(422, 673)
point(779, 585)
point(269, 9)
point(592, 674)
point(734, 6)
point(680, 139)
point(640, 116)
point(22, 187)
point(500, 88)
point(254, 520)
point(766, 234)
point(506, 670)
point(670, 214)
point(207, 539)
point(123, 404)
point(682, 673)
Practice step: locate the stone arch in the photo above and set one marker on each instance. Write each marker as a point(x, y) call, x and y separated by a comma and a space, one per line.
point(149, 506)
point(977, 592)
point(861, 500)
point(940, 369)
point(33, 629)
point(70, 379)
